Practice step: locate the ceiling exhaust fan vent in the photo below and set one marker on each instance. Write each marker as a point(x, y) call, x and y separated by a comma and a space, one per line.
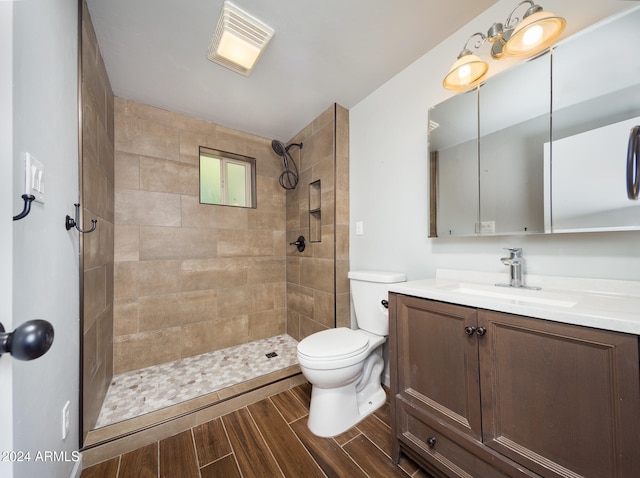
point(239, 40)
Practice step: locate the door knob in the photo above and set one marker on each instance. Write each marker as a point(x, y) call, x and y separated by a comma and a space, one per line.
point(29, 341)
point(469, 330)
point(481, 331)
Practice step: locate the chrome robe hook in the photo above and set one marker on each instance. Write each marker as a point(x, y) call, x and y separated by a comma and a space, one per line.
point(70, 222)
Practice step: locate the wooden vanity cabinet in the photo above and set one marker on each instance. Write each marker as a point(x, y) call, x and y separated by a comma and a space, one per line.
point(478, 393)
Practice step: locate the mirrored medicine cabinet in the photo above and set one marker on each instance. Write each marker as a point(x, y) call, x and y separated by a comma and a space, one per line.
point(532, 152)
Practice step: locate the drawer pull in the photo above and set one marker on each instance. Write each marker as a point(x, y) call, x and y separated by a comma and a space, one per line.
point(469, 330)
point(431, 442)
point(481, 331)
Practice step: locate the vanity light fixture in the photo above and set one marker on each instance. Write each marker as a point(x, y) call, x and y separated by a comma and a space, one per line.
point(239, 40)
point(536, 31)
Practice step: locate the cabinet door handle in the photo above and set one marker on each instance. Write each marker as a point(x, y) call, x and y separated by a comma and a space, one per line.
point(633, 163)
point(469, 330)
point(432, 442)
point(481, 331)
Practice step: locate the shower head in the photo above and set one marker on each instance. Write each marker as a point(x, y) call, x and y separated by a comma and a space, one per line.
point(280, 149)
point(289, 178)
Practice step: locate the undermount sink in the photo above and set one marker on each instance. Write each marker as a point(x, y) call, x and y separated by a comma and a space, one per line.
point(521, 295)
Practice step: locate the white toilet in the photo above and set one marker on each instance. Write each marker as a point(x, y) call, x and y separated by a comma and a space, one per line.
point(344, 366)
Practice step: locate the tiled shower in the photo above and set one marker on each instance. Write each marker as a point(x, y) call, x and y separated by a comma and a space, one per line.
point(166, 278)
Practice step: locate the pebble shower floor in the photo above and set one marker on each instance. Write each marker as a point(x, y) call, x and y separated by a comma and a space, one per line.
point(135, 393)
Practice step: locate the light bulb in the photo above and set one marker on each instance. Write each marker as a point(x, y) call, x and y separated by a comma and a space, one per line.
point(464, 71)
point(532, 35)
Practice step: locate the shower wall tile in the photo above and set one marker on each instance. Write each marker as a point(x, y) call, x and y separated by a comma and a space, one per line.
point(141, 350)
point(201, 337)
point(300, 299)
point(187, 272)
point(95, 294)
point(168, 176)
point(317, 274)
point(127, 170)
point(125, 313)
point(213, 274)
point(265, 270)
point(246, 299)
point(126, 243)
point(267, 324)
point(139, 279)
point(163, 243)
point(245, 243)
point(324, 308)
point(147, 138)
point(195, 214)
point(146, 208)
point(190, 142)
point(165, 311)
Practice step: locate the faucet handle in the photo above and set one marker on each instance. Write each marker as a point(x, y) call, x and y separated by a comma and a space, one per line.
point(514, 251)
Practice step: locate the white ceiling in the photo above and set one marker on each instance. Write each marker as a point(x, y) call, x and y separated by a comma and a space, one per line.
point(323, 52)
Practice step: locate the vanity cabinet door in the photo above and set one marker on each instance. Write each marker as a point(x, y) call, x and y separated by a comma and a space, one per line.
point(438, 363)
point(561, 400)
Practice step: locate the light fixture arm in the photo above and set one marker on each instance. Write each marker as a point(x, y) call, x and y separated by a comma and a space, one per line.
point(477, 45)
point(532, 9)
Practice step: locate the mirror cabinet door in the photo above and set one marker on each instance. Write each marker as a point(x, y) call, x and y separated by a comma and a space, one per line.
point(453, 147)
point(596, 103)
point(515, 111)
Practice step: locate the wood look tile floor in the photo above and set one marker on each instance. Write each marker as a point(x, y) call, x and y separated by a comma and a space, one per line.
point(267, 439)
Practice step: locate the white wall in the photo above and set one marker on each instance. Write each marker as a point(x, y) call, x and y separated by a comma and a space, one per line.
point(6, 231)
point(389, 176)
point(45, 259)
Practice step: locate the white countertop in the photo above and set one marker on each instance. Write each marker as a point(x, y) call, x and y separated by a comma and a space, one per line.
point(599, 303)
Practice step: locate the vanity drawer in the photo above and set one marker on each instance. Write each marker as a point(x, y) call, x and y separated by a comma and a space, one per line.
point(436, 444)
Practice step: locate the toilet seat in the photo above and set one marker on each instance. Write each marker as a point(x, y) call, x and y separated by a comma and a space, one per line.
point(333, 344)
point(335, 348)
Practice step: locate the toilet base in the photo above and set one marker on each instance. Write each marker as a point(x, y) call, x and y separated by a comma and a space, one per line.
point(333, 411)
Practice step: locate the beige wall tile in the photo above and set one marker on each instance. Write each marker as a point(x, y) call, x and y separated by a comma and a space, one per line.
point(245, 243)
point(300, 299)
point(125, 317)
point(147, 138)
point(265, 270)
point(324, 308)
point(95, 295)
point(212, 216)
point(126, 243)
point(127, 170)
point(162, 243)
point(267, 324)
point(165, 311)
point(169, 176)
point(317, 274)
point(147, 208)
point(199, 274)
point(214, 335)
point(132, 352)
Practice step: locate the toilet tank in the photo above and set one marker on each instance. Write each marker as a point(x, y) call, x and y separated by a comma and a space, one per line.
point(368, 290)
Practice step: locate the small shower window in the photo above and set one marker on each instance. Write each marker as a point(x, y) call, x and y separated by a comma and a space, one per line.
point(227, 179)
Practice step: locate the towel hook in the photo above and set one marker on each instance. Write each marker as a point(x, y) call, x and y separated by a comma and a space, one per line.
point(28, 199)
point(70, 222)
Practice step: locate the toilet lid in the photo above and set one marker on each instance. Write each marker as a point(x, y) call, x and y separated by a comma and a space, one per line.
point(333, 343)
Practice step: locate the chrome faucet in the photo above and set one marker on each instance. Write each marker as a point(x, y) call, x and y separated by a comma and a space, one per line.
point(515, 261)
